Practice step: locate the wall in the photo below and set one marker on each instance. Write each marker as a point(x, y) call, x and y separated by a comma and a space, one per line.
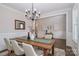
point(73, 34)
point(68, 13)
point(74, 22)
point(7, 29)
point(57, 23)
point(78, 27)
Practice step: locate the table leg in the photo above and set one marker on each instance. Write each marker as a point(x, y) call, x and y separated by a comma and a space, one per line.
point(45, 52)
point(53, 50)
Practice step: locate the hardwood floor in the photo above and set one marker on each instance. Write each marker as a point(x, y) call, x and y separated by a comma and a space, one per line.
point(61, 43)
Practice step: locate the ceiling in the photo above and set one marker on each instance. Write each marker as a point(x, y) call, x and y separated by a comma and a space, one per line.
point(41, 7)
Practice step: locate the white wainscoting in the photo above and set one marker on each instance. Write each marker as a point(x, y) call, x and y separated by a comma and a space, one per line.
point(8, 35)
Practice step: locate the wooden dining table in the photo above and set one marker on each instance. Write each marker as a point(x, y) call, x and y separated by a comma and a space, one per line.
point(45, 44)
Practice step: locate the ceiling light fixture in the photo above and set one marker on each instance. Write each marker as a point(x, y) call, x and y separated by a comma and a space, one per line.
point(32, 14)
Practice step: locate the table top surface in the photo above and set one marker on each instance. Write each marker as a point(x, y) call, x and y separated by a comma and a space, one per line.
point(47, 41)
point(43, 43)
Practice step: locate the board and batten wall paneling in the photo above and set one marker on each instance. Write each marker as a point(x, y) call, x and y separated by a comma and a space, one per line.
point(57, 23)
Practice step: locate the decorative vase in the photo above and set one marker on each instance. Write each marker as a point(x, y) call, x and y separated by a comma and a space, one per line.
point(28, 37)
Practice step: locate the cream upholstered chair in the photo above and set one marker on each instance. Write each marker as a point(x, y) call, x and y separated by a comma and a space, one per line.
point(29, 50)
point(9, 45)
point(17, 49)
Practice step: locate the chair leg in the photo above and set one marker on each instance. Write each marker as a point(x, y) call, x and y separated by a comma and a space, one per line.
point(45, 52)
point(9, 52)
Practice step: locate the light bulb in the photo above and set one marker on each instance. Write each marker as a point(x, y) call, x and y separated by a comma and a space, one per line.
point(39, 13)
point(36, 15)
point(26, 10)
point(35, 10)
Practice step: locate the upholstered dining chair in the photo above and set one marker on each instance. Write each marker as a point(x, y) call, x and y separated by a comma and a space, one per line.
point(9, 45)
point(17, 49)
point(29, 50)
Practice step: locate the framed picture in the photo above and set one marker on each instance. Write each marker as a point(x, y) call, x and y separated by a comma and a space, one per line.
point(19, 25)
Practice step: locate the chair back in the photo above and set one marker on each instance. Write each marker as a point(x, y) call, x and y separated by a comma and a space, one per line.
point(17, 49)
point(8, 44)
point(29, 50)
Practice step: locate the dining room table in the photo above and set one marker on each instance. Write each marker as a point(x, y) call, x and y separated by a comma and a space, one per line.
point(47, 45)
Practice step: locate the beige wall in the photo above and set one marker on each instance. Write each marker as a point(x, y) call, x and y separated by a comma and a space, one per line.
point(57, 23)
point(7, 25)
point(78, 29)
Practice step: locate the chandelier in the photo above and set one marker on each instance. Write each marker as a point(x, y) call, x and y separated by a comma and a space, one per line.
point(32, 14)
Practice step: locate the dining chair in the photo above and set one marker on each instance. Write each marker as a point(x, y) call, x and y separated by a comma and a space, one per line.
point(17, 49)
point(9, 45)
point(29, 50)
